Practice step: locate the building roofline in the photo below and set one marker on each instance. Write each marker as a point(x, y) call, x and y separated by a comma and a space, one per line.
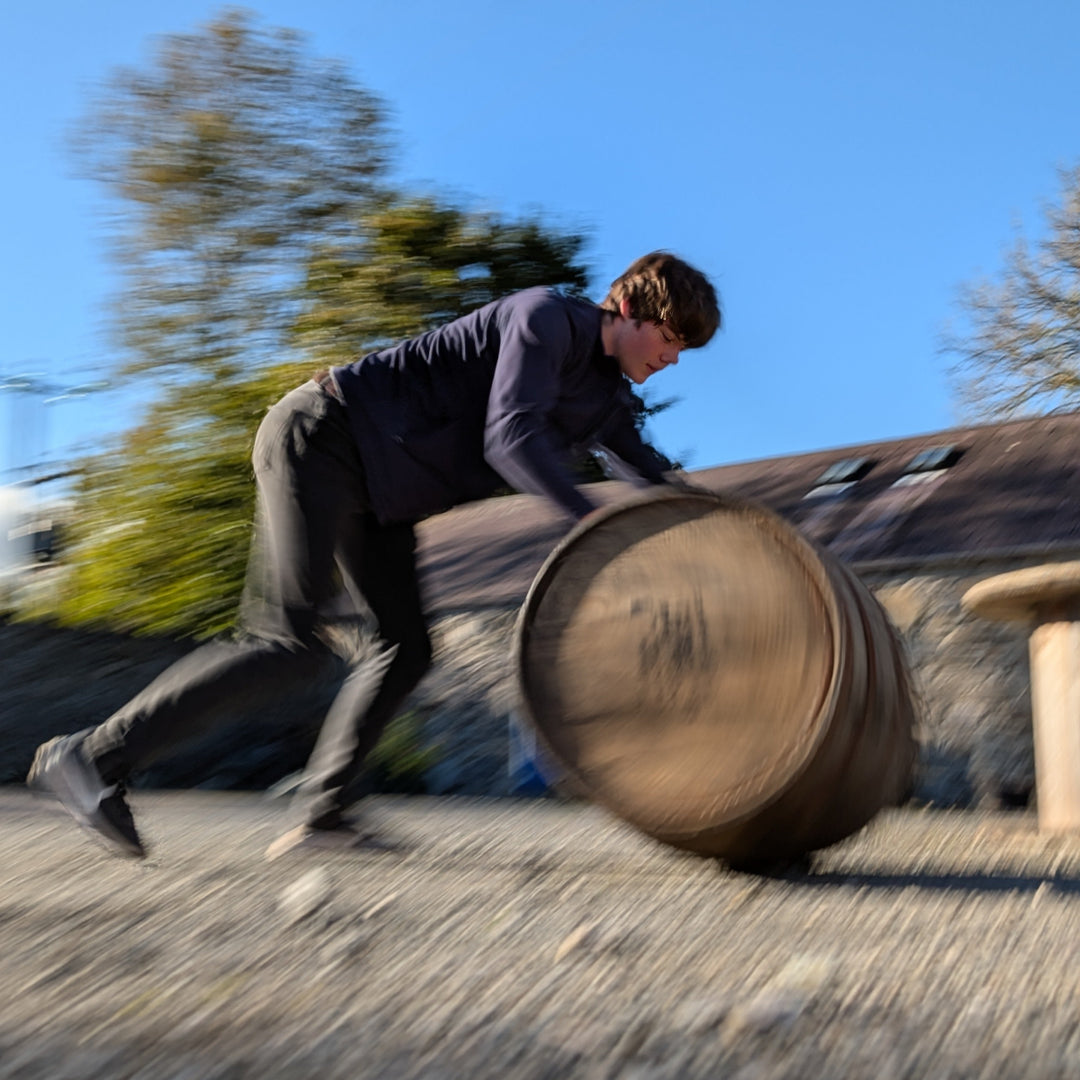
point(939, 435)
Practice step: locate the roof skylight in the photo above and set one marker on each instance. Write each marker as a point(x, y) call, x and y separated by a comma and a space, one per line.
point(933, 459)
point(840, 476)
point(846, 471)
point(928, 466)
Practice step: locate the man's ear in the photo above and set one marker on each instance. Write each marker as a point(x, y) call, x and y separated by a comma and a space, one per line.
point(624, 308)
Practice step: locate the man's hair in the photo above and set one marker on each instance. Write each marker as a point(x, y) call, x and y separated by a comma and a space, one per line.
point(662, 288)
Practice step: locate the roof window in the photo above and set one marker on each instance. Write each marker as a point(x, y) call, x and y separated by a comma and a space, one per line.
point(839, 476)
point(934, 459)
point(927, 465)
point(845, 472)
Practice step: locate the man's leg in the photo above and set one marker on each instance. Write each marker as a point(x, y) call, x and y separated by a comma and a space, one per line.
point(88, 771)
point(303, 492)
point(307, 472)
point(380, 562)
point(209, 685)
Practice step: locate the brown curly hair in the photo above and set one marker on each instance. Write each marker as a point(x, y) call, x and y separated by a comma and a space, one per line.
point(661, 288)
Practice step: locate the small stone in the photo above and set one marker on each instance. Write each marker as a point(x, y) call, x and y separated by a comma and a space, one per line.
point(632, 1039)
point(766, 1010)
point(784, 998)
point(305, 896)
point(379, 906)
point(806, 974)
point(574, 887)
point(696, 1016)
point(581, 938)
point(775, 1007)
point(348, 946)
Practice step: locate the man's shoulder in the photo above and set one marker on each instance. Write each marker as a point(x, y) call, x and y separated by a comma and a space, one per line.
point(543, 302)
point(541, 297)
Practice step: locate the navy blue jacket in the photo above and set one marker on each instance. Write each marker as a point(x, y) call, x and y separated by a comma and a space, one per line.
point(501, 396)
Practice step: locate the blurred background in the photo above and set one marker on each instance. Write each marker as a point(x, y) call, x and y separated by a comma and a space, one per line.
point(206, 202)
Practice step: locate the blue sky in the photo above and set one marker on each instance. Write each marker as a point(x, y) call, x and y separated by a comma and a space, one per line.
point(838, 168)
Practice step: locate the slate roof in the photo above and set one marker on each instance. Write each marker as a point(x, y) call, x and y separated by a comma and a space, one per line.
point(1014, 489)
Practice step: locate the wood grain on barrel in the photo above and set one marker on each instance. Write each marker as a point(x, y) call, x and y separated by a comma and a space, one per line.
point(687, 658)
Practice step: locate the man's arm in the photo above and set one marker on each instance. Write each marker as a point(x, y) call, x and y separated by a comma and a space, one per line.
point(621, 438)
point(631, 458)
point(518, 442)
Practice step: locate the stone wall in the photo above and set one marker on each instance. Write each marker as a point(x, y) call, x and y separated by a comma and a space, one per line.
point(469, 701)
point(55, 680)
point(972, 676)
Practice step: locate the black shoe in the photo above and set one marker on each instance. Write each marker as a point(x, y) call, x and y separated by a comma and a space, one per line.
point(59, 769)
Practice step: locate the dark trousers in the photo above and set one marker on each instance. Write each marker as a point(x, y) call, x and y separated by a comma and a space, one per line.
point(314, 537)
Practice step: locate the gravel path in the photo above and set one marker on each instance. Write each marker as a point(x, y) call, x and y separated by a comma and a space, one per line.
point(532, 940)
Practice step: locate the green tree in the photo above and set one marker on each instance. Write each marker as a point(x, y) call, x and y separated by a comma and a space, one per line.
point(231, 158)
point(258, 240)
point(234, 156)
point(1022, 352)
point(163, 529)
point(247, 175)
point(415, 263)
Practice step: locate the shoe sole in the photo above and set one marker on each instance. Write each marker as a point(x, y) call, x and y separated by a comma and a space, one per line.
point(50, 776)
point(300, 840)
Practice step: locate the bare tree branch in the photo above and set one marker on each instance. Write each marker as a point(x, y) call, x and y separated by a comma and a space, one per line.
point(1022, 352)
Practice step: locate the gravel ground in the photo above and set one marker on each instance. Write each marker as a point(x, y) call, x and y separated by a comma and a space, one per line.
point(533, 940)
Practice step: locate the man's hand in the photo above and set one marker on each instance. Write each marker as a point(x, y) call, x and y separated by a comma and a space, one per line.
point(678, 481)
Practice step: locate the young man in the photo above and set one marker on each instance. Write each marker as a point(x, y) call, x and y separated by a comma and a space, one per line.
point(345, 465)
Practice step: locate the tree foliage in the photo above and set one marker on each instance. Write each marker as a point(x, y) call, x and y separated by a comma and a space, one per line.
point(164, 523)
point(233, 156)
point(258, 240)
point(1022, 354)
point(415, 263)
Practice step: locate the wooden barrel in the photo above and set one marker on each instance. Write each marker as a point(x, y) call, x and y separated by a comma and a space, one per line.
point(701, 669)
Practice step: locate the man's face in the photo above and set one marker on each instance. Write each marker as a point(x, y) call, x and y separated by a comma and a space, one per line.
point(644, 348)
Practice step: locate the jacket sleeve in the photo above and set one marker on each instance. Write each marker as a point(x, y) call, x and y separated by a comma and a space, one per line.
point(519, 442)
point(621, 439)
